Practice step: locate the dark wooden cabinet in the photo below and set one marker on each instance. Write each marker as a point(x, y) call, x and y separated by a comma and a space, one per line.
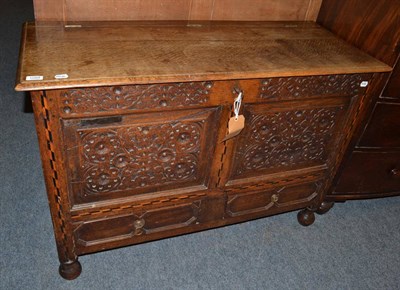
point(392, 89)
point(370, 168)
point(383, 130)
point(372, 172)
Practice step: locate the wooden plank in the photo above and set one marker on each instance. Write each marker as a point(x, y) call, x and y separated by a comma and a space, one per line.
point(260, 10)
point(313, 10)
point(373, 26)
point(99, 54)
point(103, 10)
point(201, 9)
point(49, 10)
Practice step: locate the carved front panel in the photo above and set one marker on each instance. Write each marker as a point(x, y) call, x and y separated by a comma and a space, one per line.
point(277, 140)
point(275, 89)
point(134, 97)
point(139, 154)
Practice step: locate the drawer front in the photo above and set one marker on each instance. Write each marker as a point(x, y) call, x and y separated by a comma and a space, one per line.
point(285, 136)
point(270, 200)
point(383, 130)
point(120, 156)
point(368, 172)
point(143, 224)
point(117, 99)
point(292, 88)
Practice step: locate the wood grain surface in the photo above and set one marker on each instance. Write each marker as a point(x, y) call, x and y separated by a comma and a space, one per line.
point(49, 10)
point(97, 54)
point(373, 26)
point(101, 10)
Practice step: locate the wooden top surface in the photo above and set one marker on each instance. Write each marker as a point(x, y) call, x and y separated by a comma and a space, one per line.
point(116, 53)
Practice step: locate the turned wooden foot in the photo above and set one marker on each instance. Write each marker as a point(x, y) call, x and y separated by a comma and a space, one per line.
point(306, 217)
point(71, 270)
point(324, 207)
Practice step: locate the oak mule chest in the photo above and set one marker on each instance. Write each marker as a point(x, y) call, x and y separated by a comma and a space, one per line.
point(132, 120)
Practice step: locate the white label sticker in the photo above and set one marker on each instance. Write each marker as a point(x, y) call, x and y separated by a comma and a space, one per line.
point(364, 84)
point(34, 78)
point(62, 76)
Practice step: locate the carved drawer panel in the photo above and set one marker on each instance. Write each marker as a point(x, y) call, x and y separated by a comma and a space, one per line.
point(103, 100)
point(286, 136)
point(136, 227)
point(133, 154)
point(292, 88)
point(370, 172)
point(272, 200)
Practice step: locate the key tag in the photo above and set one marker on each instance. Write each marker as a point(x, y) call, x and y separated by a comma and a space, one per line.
point(236, 123)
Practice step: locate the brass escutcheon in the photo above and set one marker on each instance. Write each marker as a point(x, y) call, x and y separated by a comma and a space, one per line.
point(275, 198)
point(138, 224)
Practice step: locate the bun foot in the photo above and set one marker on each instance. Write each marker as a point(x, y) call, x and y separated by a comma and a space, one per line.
point(324, 207)
point(306, 217)
point(71, 270)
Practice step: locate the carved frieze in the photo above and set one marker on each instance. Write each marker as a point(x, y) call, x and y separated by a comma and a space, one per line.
point(134, 97)
point(300, 87)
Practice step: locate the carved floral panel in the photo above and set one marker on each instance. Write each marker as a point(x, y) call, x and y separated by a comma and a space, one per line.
point(131, 157)
point(277, 141)
point(300, 87)
point(134, 97)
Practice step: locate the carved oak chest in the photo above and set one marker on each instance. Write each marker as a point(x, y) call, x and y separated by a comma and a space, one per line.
point(132, 120)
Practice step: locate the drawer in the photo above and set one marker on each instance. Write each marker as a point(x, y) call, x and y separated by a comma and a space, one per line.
point(383, 130)
point(288, 88)
point(271, 201)
point(117, 99)
point(146, 223)
point(368, 172)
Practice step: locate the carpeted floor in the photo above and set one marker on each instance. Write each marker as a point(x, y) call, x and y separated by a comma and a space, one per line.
point(355, 246)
